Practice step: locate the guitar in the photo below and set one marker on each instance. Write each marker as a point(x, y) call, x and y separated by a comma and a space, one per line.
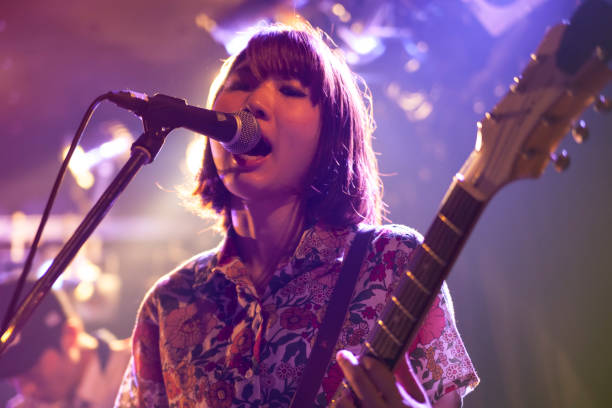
point(516, 140)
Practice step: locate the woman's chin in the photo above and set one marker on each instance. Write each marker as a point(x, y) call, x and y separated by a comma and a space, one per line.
point(254, 192)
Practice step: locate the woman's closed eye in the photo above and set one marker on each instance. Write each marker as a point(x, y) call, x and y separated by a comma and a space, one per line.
point(292, 91)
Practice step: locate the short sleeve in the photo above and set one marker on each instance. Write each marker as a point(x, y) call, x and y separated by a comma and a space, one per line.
point(128, 388)
point(143, 384)
point(438, 355)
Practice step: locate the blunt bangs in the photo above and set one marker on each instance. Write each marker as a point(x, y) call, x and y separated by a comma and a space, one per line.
point(278, 52)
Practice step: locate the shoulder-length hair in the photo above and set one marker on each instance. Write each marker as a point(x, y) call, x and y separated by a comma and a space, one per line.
point(342, 186)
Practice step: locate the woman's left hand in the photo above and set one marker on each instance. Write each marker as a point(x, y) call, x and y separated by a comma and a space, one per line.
point(374, 385)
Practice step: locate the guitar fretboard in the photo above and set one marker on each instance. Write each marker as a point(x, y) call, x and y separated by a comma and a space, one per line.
point(427, 268)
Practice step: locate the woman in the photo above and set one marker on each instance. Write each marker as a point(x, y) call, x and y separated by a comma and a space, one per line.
point(233, 327)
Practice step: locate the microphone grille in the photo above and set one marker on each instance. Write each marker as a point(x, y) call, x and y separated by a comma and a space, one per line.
point(247, 133)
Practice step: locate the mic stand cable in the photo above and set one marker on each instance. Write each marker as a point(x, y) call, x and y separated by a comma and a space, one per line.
point(47, 210)
point(143, 151)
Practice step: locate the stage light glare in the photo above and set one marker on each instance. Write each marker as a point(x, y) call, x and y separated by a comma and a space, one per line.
point(423, 111)
point(42, 269)
point(366, 47)
point(78, 161)
point(87, 270)
point(357, 27)
point(79, 167)
point(236, 44)
point(412, 65)
point(20, 236)
point(338, 9)
point(85, 180)
point(82, 162)
point(111, 149)
point(83, 291)
point(194, 155)
point(7, 334)
point(478, 107)
point(478, 141)
point(202, 20)
point(289, 17)
point(478, 145)
point(410, 101)
point(108, 283)
point(351, 57)
point(237, 40)
point(365, 44)
point(393, 90)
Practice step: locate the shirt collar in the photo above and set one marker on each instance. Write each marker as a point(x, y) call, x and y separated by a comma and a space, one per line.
point(318, 245)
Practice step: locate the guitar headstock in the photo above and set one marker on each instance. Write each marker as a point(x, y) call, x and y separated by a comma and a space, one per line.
point(518, 138)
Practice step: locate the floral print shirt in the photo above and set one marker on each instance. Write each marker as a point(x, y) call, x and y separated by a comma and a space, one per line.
point(204, 338)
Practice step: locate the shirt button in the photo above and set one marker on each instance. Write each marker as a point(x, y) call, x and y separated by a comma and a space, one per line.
point(249, 373)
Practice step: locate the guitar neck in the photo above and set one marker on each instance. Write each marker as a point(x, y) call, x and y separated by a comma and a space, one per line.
point(422, 279)
point(515, 141)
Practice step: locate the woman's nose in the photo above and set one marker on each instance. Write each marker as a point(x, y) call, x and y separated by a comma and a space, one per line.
point(260, 101)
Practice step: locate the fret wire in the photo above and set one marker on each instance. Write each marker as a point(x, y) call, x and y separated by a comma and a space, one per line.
point(440, 241)
point(396, 322)
point(371, 349)
point(450, 224)
point(450, 242)
point(383, 345)
point(388, 332)
point(415, 304)
point(390, 351)
point(382, 342)
point(417, 282)
point(385, 348)
point(401, 307)
point(425, 269)
point(432, 253)
point(461, 208)
point(424, 273)
point(410, 296)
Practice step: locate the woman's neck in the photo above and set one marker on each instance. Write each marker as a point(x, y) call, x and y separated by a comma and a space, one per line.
point(266, 233)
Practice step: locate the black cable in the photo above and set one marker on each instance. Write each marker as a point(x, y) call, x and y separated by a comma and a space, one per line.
point(45, 216)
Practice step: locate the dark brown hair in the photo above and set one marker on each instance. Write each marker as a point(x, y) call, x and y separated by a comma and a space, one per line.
point(343, 186)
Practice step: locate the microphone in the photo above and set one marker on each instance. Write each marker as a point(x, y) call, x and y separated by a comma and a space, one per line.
point(237, 132)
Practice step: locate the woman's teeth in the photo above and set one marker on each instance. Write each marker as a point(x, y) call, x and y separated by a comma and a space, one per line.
point(243, 159)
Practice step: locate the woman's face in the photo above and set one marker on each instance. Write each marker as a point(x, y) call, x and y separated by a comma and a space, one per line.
point(287, 120)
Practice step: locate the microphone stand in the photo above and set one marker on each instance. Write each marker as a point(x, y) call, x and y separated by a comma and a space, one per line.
point(143, 151)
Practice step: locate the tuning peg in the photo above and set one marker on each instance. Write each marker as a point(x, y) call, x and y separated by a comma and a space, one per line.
point(603, 104)
point(517, 86)
point(580, 132)
point(561, 161)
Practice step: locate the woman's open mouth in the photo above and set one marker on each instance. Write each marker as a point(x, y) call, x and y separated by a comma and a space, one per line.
point(262, 148)
point(255, 156)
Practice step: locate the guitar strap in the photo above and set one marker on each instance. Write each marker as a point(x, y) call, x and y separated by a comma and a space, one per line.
point(327, 336)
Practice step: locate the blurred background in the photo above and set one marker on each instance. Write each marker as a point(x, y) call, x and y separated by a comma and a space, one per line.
point(531, 287)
